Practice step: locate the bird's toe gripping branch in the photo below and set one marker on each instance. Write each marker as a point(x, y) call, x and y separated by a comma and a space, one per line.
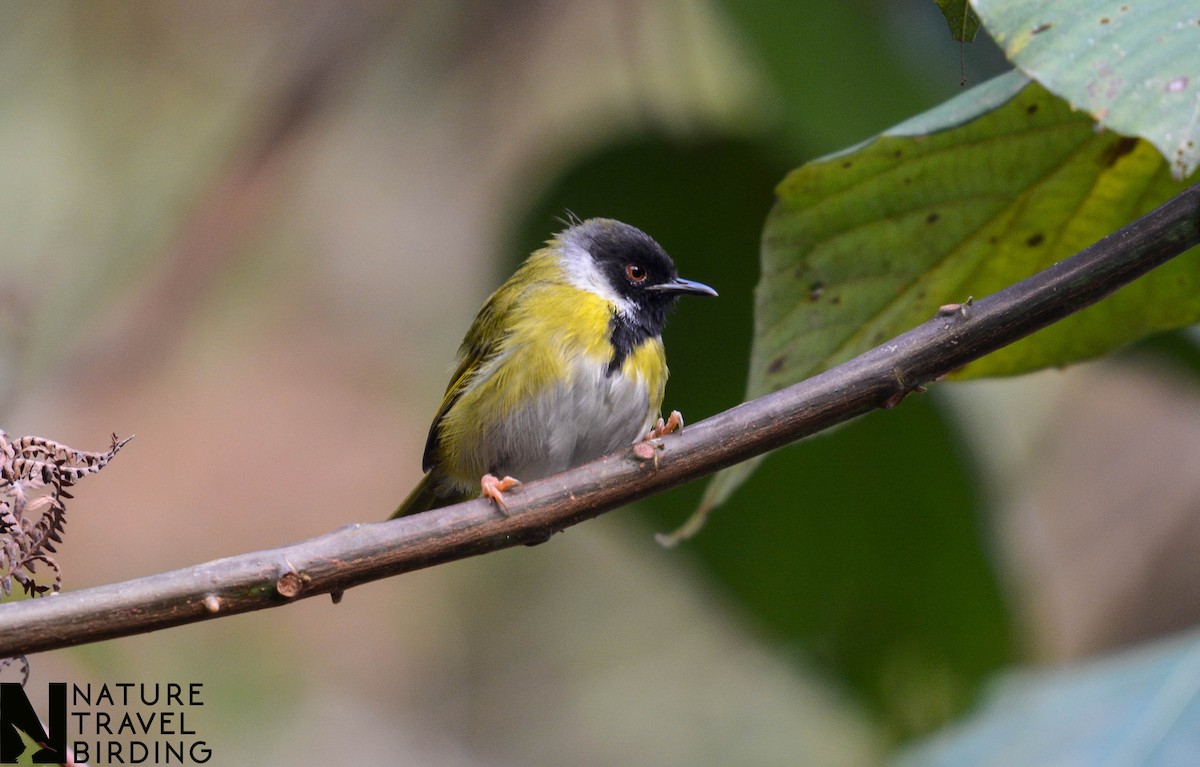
point(673, 423)
point(646, 449)
point(491, 486)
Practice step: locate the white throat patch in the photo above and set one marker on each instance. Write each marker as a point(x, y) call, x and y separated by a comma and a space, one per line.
point(582, 273)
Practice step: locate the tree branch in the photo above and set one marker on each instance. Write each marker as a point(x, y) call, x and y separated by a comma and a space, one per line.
point(879, 378)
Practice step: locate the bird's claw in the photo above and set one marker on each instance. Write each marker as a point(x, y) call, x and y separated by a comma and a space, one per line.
point(673, 423)
point(490, 486)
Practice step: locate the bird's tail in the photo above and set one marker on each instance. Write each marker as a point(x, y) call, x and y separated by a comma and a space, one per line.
point(424, 497)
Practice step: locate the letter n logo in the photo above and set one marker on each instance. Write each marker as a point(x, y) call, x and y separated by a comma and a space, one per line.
point(17, 714)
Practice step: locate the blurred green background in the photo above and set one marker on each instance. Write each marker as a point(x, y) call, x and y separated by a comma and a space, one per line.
point(254, 234)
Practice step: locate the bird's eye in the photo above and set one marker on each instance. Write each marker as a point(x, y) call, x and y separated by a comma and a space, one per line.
point(636, 273)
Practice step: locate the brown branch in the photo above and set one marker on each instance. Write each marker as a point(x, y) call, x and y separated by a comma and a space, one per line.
point(879, 378)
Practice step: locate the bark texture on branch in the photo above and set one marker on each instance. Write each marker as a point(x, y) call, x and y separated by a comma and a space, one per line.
point(879, 378)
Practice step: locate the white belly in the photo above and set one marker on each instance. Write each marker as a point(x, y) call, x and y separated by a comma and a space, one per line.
point(570, 425)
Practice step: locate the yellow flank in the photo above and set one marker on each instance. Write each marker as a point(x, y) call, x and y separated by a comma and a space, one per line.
point(648, 362)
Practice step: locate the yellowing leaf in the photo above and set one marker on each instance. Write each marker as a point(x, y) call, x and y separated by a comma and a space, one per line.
point(962, 201)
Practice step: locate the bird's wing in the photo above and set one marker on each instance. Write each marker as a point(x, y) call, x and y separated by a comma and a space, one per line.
point(483, 341)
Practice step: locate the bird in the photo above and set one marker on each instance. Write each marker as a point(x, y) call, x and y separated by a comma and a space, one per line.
point(563, 363)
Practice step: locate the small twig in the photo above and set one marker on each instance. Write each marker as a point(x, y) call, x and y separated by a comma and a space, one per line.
point(338, 561)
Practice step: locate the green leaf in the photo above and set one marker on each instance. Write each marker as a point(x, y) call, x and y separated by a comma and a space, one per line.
point(962, 20)
point(1139, 707)
point(965, 200)
point(1133, 66)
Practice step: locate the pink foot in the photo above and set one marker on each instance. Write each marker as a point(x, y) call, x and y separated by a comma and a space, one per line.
point(492, 487)
point(673, 423)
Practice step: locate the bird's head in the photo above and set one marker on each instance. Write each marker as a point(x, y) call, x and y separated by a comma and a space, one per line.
point(624, 265)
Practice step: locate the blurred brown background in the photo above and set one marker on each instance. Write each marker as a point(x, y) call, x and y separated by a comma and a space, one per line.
point(253, 235)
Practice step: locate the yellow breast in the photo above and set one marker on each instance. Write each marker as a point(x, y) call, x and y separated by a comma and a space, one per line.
point(547, 401)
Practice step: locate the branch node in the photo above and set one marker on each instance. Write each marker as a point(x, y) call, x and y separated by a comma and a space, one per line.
point(644, 451)
point(290, 584)
point(212, 603)
point(903, 391)
point(647, 450)
point(962, 311)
